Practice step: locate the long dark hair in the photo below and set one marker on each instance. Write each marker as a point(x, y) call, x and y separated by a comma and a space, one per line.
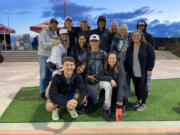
point(85, 70)
point(85, 45)
point(116, 66)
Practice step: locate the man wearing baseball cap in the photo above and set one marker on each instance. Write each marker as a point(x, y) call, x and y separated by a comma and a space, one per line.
point(142, 25)
point(84, 28)
point(47, 39)
point(68, 24)
point(105, 35)
point(96, 59)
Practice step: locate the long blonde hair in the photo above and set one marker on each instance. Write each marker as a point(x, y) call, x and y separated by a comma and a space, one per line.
point(65, 43)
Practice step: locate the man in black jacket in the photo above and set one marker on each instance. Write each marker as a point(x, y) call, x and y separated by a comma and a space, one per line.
point(142, 25)
point(105, 35)
point(95, 61)
point(84, 29)
point(68, 24)
point(66, 89)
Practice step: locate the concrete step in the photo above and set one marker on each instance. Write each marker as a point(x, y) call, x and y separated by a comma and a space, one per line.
point(20, 56)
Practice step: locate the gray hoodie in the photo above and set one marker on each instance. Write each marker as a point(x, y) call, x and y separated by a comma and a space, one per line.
point(46, 39)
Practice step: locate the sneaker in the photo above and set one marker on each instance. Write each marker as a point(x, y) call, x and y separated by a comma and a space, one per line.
point(55, 114)
point(136, 104)
point(107, 114)
point(142, 107)
point(73, 113)
point(82, 110)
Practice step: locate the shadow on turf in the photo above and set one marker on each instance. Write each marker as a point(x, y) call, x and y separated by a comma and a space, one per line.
point(27, 94)
point(46, 116)
point(41, 115)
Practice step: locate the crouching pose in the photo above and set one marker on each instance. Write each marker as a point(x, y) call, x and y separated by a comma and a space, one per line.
point(66, 89)
point(109, 81)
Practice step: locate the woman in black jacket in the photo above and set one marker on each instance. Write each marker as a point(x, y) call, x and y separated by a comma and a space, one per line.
point(113, 78)
point(139, 63)
point(79, 51)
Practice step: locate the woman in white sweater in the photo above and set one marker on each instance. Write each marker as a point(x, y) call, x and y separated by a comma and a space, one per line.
point(58, 53)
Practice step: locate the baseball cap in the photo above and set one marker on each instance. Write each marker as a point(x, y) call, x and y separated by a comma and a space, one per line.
point(141, 23)
point(84, 19)
point(68, 18)
point(94, 37)
point(63, 31)
point(53, 21)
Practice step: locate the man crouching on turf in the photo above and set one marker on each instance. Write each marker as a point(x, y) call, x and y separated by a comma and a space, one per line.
point(66, 89)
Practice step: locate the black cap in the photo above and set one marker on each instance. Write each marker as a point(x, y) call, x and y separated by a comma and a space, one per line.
point(53, 21)
point(102, 19)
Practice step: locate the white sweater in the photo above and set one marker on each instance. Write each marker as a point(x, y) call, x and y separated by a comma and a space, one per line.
point(56, 55)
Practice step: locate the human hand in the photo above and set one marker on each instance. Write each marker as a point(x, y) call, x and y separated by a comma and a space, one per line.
point(149, 73)
point(71, 104)
point(55, 42)
point(113, 83)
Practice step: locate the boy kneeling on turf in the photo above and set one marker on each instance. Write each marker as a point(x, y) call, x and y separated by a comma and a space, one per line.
point(66, 89)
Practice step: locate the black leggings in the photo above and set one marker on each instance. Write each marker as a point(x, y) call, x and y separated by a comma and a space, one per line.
point(140, 85)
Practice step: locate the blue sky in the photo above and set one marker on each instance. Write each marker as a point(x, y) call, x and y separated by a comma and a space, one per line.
point(162, 16)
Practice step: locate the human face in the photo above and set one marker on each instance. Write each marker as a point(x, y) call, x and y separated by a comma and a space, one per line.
point(123, 31)
point(141, 27)
point(94, 44)
point(101, 24)
point(114, 28)
point(68, 23)
point(68, 67)
point(136, 37)
point(53, 26)
point(84, 25)
point(112, 60)
point(80, 69)
point(82, 41)
point(64, 37)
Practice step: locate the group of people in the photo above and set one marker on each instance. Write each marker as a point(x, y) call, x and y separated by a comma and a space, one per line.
point(78, 63)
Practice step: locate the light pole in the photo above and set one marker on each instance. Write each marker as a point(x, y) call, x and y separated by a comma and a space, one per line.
point(64, 9)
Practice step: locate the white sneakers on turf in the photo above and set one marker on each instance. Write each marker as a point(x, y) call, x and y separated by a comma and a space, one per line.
point(73, 113)
point(55, 114)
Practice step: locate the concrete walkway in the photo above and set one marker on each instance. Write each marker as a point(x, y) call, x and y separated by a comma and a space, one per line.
point(14, 75)
point(85, 128)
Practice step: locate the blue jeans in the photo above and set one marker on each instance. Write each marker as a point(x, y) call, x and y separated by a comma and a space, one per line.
point(45, 73)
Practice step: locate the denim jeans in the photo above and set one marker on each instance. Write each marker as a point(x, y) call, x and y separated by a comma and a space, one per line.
point(45, 73)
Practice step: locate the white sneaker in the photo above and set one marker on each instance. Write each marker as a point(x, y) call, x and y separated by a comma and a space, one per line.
point(142, 107)
point(55, 114)
point(73, 113)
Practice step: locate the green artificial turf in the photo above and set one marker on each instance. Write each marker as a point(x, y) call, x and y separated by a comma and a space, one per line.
point(163, 104)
